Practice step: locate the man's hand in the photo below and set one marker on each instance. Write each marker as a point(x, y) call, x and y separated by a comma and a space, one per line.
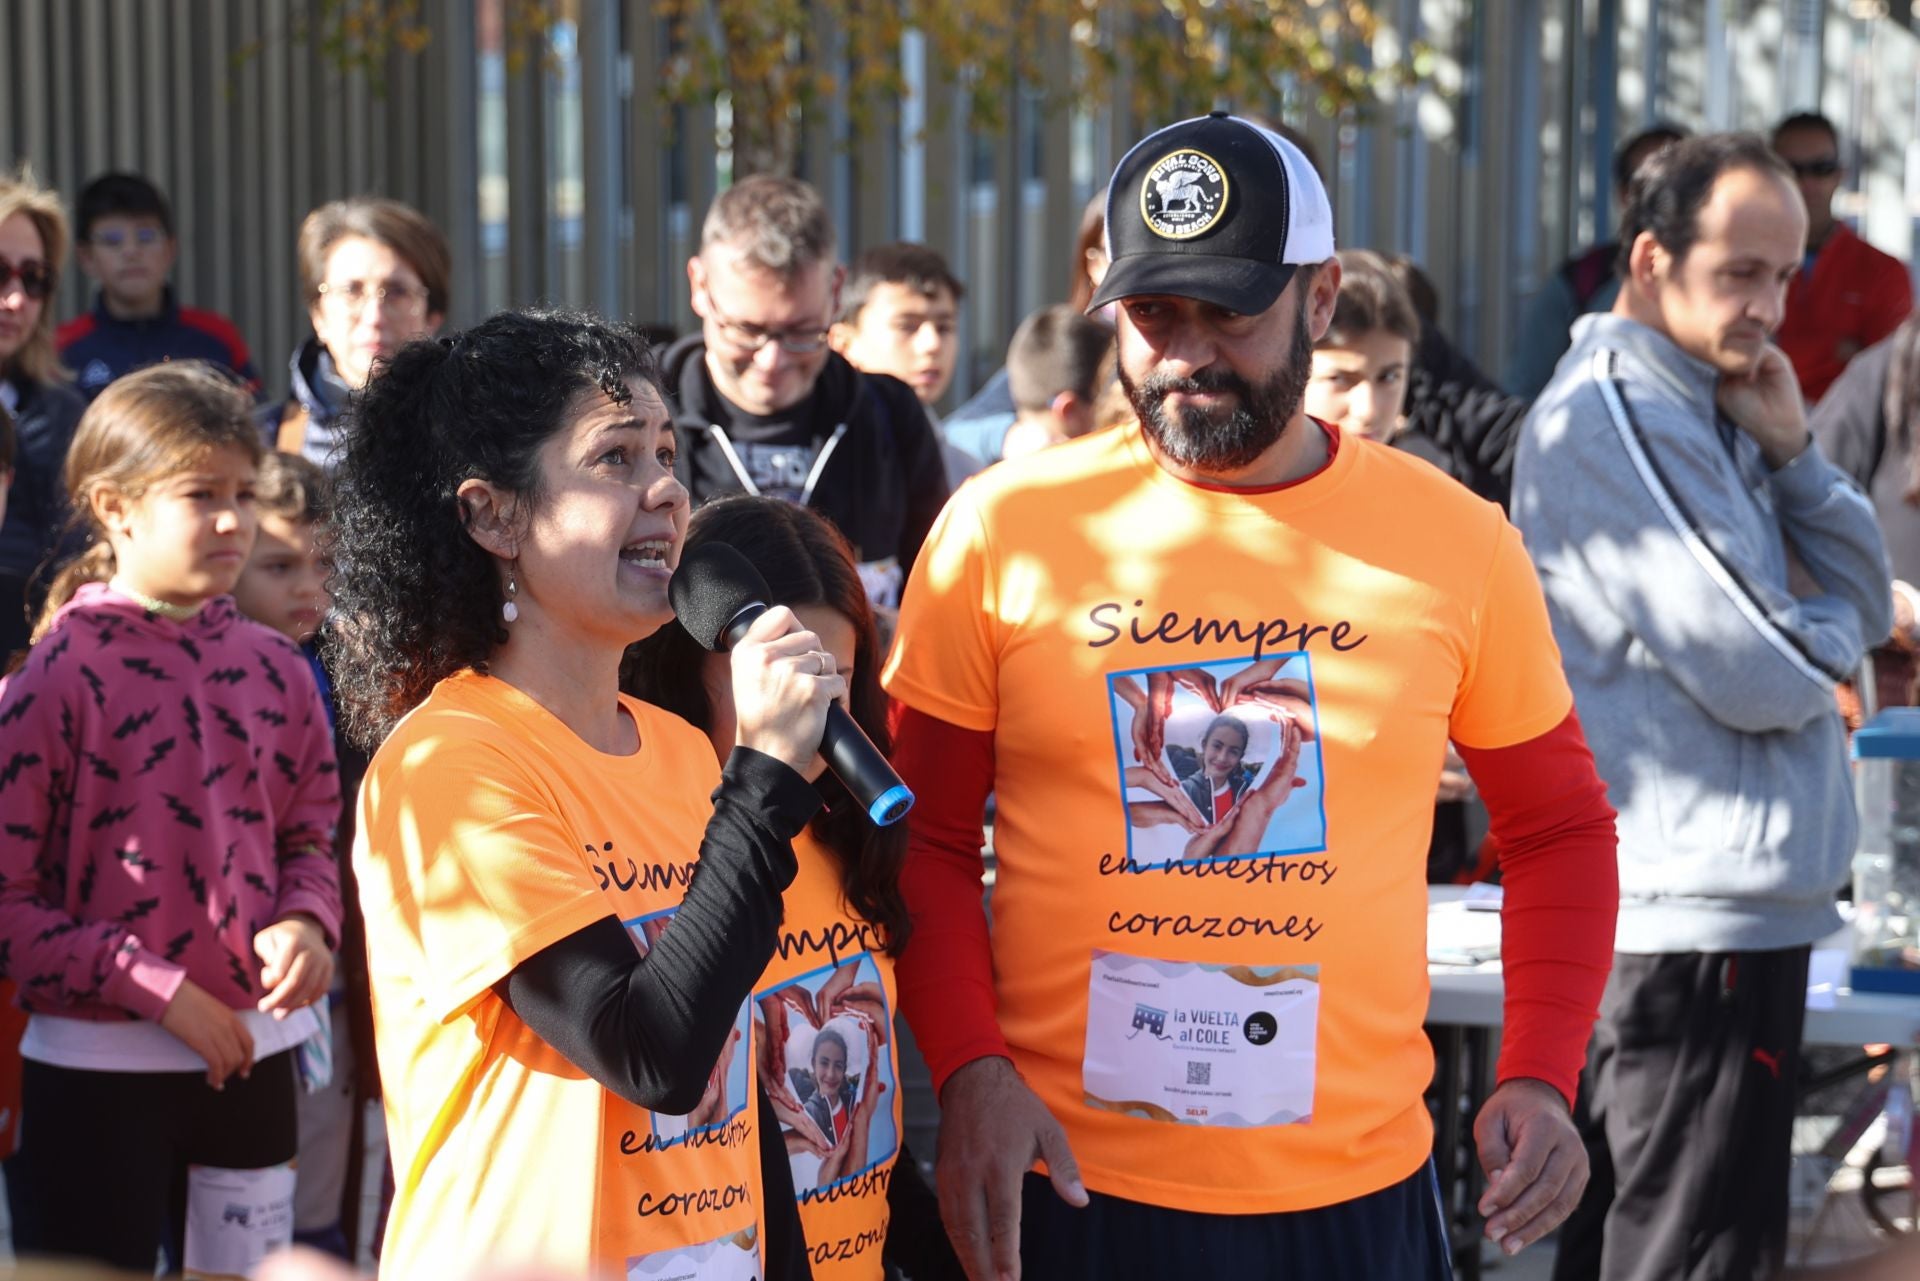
point(1766, 404)
point(296, 968)
point(992, 1127)
point(1535, 1163)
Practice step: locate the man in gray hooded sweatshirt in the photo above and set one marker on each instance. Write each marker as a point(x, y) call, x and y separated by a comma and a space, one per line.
point(1664, 483)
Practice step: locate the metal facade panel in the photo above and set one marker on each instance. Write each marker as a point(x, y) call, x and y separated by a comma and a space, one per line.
point(246, 127)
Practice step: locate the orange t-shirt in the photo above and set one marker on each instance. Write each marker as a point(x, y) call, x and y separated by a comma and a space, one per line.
point(1224, 1012)
point(488, 831)
point(840, 1091)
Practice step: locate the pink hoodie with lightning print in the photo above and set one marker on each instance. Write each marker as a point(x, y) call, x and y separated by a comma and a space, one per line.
point(167, 790)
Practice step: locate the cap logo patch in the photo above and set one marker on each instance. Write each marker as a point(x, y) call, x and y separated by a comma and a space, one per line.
point(1183, 195)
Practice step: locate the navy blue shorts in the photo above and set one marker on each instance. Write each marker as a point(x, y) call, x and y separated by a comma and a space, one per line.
point(1395, 1234)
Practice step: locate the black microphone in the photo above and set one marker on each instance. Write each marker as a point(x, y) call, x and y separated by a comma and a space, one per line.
point(716, 594)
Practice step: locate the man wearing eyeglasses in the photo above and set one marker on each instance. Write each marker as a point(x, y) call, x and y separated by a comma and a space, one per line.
point(1848, 295)
point(765, 407)
point(126, 244)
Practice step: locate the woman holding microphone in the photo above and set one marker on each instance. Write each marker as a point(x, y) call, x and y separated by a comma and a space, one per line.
point(568, 901)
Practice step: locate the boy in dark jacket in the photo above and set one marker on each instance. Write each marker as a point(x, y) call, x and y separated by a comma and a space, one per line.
point(127, 247)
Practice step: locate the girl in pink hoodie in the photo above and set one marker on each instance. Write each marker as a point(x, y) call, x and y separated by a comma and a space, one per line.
point(168, 893)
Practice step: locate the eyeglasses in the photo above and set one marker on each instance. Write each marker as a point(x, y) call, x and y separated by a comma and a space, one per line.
point(396, 297)
point(801, 340)
point(35, 280)
point(145, 237)
point(1825, 167)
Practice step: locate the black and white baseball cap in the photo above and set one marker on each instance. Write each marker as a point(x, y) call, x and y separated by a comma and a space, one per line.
point(1215, 208)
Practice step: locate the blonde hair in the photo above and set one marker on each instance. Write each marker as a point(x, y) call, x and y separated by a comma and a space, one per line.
point(143, 428)
point(38, 358)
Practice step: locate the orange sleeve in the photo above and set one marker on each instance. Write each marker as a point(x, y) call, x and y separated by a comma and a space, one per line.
point(945, 659)
point(1513, 689)
point(474, 863)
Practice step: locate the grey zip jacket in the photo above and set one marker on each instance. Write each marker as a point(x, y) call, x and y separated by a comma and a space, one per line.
point(1705, 685)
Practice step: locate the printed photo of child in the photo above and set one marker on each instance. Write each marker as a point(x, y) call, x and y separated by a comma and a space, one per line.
point(1218, 760)
point(828, 1065)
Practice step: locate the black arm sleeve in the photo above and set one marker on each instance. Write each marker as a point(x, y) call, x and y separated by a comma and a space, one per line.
point(649, 1028)
point(786, 1253)
point(917, 1241)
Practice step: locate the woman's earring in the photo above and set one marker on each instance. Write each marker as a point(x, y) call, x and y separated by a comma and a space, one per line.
point(511, 611)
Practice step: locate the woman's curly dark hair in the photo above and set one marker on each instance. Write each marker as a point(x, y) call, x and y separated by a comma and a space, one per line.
point(806, 562)
point(415, 598)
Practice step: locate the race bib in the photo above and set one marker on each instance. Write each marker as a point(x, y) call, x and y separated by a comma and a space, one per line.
point(731, 1258)
point(235, 1218)
point(1201, 1044)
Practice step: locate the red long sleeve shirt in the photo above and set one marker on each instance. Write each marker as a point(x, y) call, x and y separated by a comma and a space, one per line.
point(1849, 299)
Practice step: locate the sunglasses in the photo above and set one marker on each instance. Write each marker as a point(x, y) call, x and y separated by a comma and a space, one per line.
point(1814, 168)
point(35, 280)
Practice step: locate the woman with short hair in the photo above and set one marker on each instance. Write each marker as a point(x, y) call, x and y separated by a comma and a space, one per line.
point(375, 275)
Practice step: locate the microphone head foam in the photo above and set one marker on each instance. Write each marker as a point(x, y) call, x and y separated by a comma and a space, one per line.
point(712, 585)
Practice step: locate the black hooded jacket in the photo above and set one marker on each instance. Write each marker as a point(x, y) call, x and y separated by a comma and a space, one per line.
point(859, 450)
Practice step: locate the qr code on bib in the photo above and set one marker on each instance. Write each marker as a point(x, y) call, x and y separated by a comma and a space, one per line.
point(1199, 1073)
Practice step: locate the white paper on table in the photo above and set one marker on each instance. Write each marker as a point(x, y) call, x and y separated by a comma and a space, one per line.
point(1483, 896)
point(1826, 975)
point(1458, 934)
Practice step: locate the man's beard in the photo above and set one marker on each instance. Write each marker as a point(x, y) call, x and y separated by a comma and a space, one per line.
point(1218, 441)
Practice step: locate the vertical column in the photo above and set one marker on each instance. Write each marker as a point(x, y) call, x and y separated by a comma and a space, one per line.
point(875, 194)
point(603, 165)
point(265, 297)
point(123, 31)
point(450, 127)
point(1060, 217)
point(648, 267)
point(912, 137)
point(526, 181)
point(96, 118)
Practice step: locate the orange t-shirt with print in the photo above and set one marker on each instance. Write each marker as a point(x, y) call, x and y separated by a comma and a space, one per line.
point(1224, 1010)
point(829, 974)
point(488, 831)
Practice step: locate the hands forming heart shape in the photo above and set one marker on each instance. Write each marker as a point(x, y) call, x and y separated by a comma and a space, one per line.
point(1258, 686)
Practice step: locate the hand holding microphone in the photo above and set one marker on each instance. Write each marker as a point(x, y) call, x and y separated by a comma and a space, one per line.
point(720, 598)
point(783, 683)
